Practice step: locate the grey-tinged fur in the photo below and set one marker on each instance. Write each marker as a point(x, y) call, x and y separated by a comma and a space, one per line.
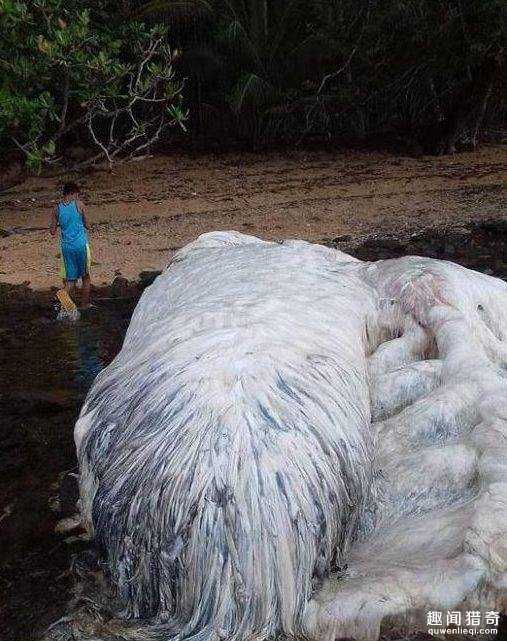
point(292, 441)
point(226, 453)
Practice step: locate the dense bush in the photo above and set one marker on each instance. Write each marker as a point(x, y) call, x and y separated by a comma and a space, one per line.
point(428, 71)
point(69, 71)
point(423, 72)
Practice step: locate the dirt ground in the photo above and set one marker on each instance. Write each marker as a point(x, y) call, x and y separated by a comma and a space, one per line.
point(141, 212)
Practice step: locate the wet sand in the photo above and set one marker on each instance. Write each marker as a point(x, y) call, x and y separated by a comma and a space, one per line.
point(141, 212)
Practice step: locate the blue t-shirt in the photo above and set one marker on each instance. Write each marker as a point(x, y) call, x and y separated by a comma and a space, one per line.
point(73, 232)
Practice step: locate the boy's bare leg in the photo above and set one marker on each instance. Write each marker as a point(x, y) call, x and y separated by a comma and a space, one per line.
point(69, 286)
point(85, 294)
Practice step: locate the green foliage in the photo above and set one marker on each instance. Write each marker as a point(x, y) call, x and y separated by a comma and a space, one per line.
point(67, 67)
point(341, 67)
point(428, 71)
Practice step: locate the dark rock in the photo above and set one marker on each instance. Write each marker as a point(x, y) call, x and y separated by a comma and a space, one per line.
point(146, 278)
point(68, 493)
point(120, 287)
point(86, 562)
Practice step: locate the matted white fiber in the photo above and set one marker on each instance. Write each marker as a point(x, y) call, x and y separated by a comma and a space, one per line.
point(293, 441)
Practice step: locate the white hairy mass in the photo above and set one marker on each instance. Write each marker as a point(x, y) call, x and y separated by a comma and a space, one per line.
point(294, 441)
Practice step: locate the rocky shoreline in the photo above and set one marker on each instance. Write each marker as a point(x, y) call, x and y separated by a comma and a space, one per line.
point(477, 245)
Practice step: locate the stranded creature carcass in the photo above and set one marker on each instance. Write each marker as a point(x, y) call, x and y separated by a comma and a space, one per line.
point(294, 441)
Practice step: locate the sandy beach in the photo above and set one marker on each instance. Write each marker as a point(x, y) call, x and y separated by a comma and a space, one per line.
point(141, 212)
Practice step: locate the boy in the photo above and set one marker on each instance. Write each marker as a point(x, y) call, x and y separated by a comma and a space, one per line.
point(69, 215)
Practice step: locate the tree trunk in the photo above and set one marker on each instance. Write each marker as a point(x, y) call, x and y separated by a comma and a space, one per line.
point(469, 105)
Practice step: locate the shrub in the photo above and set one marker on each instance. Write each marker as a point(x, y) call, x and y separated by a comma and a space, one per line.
point(66, 68)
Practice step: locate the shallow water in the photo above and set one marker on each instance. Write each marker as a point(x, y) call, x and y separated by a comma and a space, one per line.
point(46, 368)
point(63, 355)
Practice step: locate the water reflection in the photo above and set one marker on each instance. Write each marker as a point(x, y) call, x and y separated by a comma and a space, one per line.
point(44, 355)
point(87, 345)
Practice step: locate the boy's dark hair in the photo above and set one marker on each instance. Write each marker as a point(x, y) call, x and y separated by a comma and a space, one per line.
point(70, 188)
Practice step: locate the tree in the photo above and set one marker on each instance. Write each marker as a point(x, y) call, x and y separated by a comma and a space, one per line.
point(427, 71)
point(429, 68)
point(67, 69)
